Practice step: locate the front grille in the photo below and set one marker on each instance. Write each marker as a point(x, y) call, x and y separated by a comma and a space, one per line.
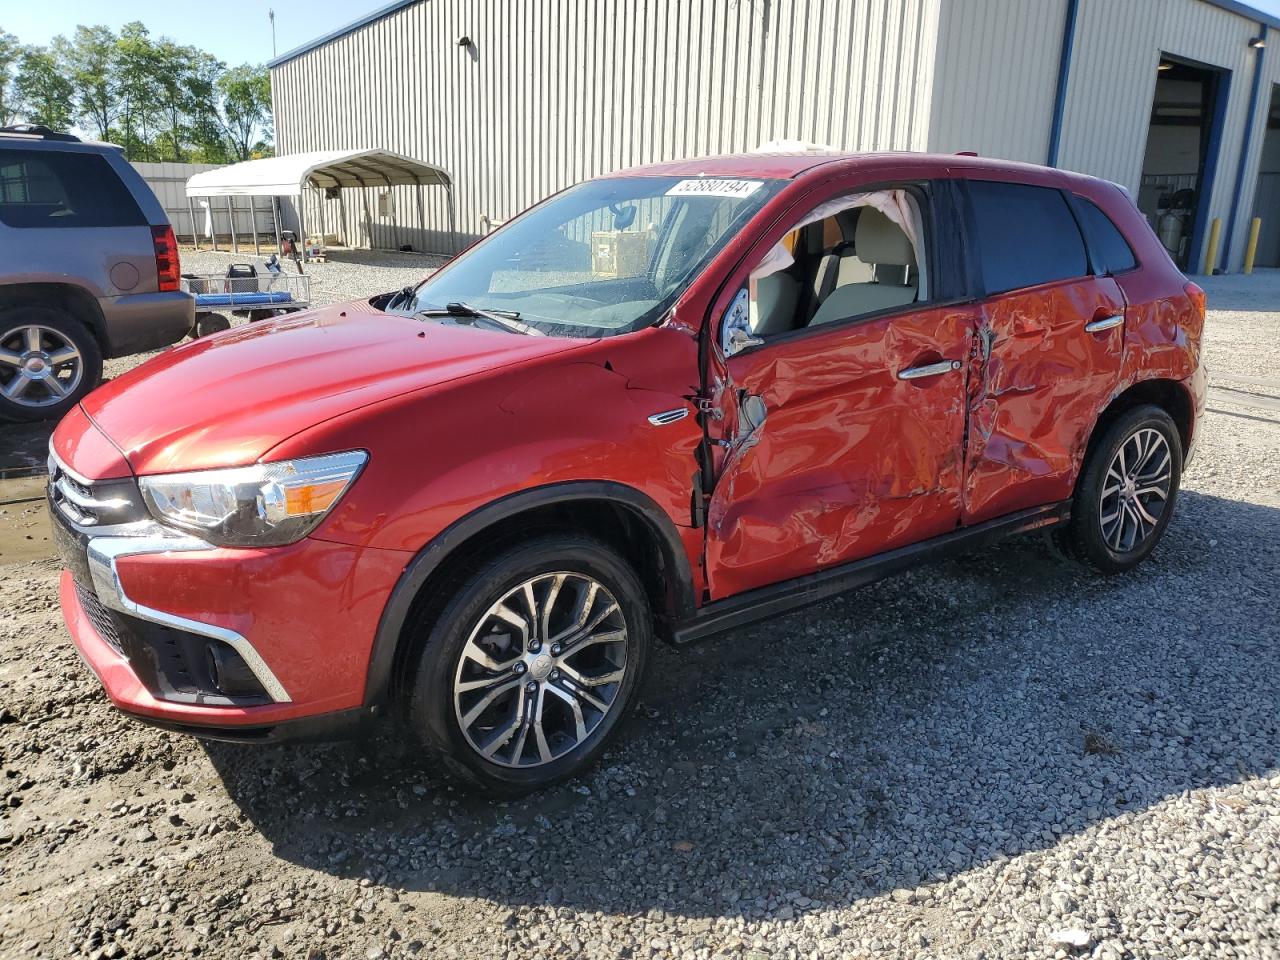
point(103, 620)
point(97, 503)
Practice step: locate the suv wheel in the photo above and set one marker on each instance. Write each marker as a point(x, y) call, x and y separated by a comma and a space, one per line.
point(48, 361)
point(1126, 494)
point(526, 673)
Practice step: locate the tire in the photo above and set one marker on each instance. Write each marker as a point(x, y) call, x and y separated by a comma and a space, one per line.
point(210, 323)
point(34, 385)
point(1146, 434)
point(445, 709)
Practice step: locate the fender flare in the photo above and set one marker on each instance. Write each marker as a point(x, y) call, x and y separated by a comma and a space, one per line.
point(437, 552)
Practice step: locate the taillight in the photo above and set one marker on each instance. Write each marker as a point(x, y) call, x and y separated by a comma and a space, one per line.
point(1196, 295)
point(168, 270)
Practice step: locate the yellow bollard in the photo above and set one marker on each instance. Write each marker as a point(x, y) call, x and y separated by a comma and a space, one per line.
point(1251, 250)
point(1211, 253)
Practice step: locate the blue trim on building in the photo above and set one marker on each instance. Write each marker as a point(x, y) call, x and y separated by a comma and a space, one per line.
point(351, 27)
point(1199, 233)
point(1247, 11)
point(1259, 65)
point(1064, 74)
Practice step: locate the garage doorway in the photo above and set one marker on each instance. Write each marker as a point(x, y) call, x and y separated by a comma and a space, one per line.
point(1182, 155)
point(1266, 201)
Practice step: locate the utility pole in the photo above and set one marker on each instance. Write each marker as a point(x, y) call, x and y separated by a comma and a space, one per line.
point(271, 15)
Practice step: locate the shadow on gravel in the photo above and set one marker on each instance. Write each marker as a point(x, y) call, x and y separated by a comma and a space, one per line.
point(966, 713)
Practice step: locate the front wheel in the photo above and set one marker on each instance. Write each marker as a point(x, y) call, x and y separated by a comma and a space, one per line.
point(524, 676)
point(1126, 493)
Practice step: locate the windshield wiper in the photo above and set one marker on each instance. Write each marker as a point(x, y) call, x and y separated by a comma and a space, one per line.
point(507, 319)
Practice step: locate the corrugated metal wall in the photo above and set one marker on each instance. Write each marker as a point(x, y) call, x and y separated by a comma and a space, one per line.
point(556, 91)
point(996, 76)
point(1112, 85)
point(997, 70)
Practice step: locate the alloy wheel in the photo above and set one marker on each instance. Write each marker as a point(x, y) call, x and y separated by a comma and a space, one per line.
point(39, 367)
point(540, 670)
point(1135, 491)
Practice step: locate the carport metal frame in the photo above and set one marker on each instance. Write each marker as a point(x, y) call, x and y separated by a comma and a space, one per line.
point(331, 169)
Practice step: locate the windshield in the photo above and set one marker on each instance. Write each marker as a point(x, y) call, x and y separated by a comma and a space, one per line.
point(602, 258)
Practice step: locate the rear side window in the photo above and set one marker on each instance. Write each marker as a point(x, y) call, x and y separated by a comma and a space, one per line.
point(1109, 246)
point(57, 189)
point(1025, 235)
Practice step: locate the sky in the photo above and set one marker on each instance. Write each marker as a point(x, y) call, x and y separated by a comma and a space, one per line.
point(236, 31)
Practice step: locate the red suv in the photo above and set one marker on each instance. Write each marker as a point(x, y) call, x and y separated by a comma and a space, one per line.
point(666, 402)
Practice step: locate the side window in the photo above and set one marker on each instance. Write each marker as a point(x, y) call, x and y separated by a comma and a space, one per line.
point(63, 189)
point(1025, 235)
point(1109, 246)
point(848, 258)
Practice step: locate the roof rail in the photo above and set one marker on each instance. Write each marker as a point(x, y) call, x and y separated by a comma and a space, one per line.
point(36, 130)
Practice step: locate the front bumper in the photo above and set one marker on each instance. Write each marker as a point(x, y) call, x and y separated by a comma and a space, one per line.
point(301, 618)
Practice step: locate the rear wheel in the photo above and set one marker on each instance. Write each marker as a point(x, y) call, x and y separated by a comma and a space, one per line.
point(526, 673)
point(48, 361)
point(1126, 493)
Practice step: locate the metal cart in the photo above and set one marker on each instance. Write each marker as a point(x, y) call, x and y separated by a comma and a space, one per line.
point(245, 292)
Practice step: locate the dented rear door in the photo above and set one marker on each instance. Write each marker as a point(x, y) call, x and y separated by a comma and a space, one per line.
point(1050, 344)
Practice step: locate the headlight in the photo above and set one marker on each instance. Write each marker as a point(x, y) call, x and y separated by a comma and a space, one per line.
point(266, 504)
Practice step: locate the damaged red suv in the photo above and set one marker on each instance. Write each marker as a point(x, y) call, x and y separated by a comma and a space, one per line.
point(660, 404)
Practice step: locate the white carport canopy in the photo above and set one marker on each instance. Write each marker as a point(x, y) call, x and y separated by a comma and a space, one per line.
point(293, 174)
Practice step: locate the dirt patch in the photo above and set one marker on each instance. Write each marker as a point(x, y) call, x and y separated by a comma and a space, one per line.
point(24, 521)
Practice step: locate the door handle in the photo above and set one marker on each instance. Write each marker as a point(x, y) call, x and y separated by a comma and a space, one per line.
point(1106, 323)
point(929, 370)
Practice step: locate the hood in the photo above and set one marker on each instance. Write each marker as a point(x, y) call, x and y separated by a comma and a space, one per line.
point(227, 399)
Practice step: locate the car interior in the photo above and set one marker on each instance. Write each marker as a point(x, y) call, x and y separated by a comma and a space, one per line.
point(852, 263)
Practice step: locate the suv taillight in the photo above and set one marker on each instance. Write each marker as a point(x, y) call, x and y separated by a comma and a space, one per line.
point(168, 271)
point(1196, 295)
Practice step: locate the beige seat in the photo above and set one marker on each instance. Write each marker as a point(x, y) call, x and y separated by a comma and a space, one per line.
point(882, 243)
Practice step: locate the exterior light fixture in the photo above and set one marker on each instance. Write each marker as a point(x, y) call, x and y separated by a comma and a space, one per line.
point(464, 41)
point(1257, 42)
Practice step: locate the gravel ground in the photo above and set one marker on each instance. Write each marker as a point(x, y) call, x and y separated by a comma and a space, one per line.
point(999, 756)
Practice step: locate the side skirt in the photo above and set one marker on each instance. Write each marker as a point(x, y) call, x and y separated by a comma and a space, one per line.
point(765, 602)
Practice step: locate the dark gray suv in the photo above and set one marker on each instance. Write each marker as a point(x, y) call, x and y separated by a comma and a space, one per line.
point(88, 269)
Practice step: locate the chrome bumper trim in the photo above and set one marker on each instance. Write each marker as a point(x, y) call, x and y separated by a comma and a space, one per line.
point(148, 537)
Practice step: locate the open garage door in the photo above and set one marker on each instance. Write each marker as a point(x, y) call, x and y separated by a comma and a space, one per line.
point(1183, 144)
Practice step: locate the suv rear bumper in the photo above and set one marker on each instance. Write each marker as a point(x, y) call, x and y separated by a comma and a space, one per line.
point(136, 323)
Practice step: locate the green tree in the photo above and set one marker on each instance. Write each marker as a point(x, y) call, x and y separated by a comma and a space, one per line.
point(90, 58)
point(185, 82)
point(10, 50)
point(246, 110)
point(138, 95)
point(46, 96)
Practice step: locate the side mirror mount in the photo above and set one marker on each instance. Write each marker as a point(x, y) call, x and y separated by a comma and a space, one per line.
point(735, 328)
point(740, 340)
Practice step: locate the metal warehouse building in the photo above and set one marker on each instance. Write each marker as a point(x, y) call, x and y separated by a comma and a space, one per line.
point(1175, 99)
